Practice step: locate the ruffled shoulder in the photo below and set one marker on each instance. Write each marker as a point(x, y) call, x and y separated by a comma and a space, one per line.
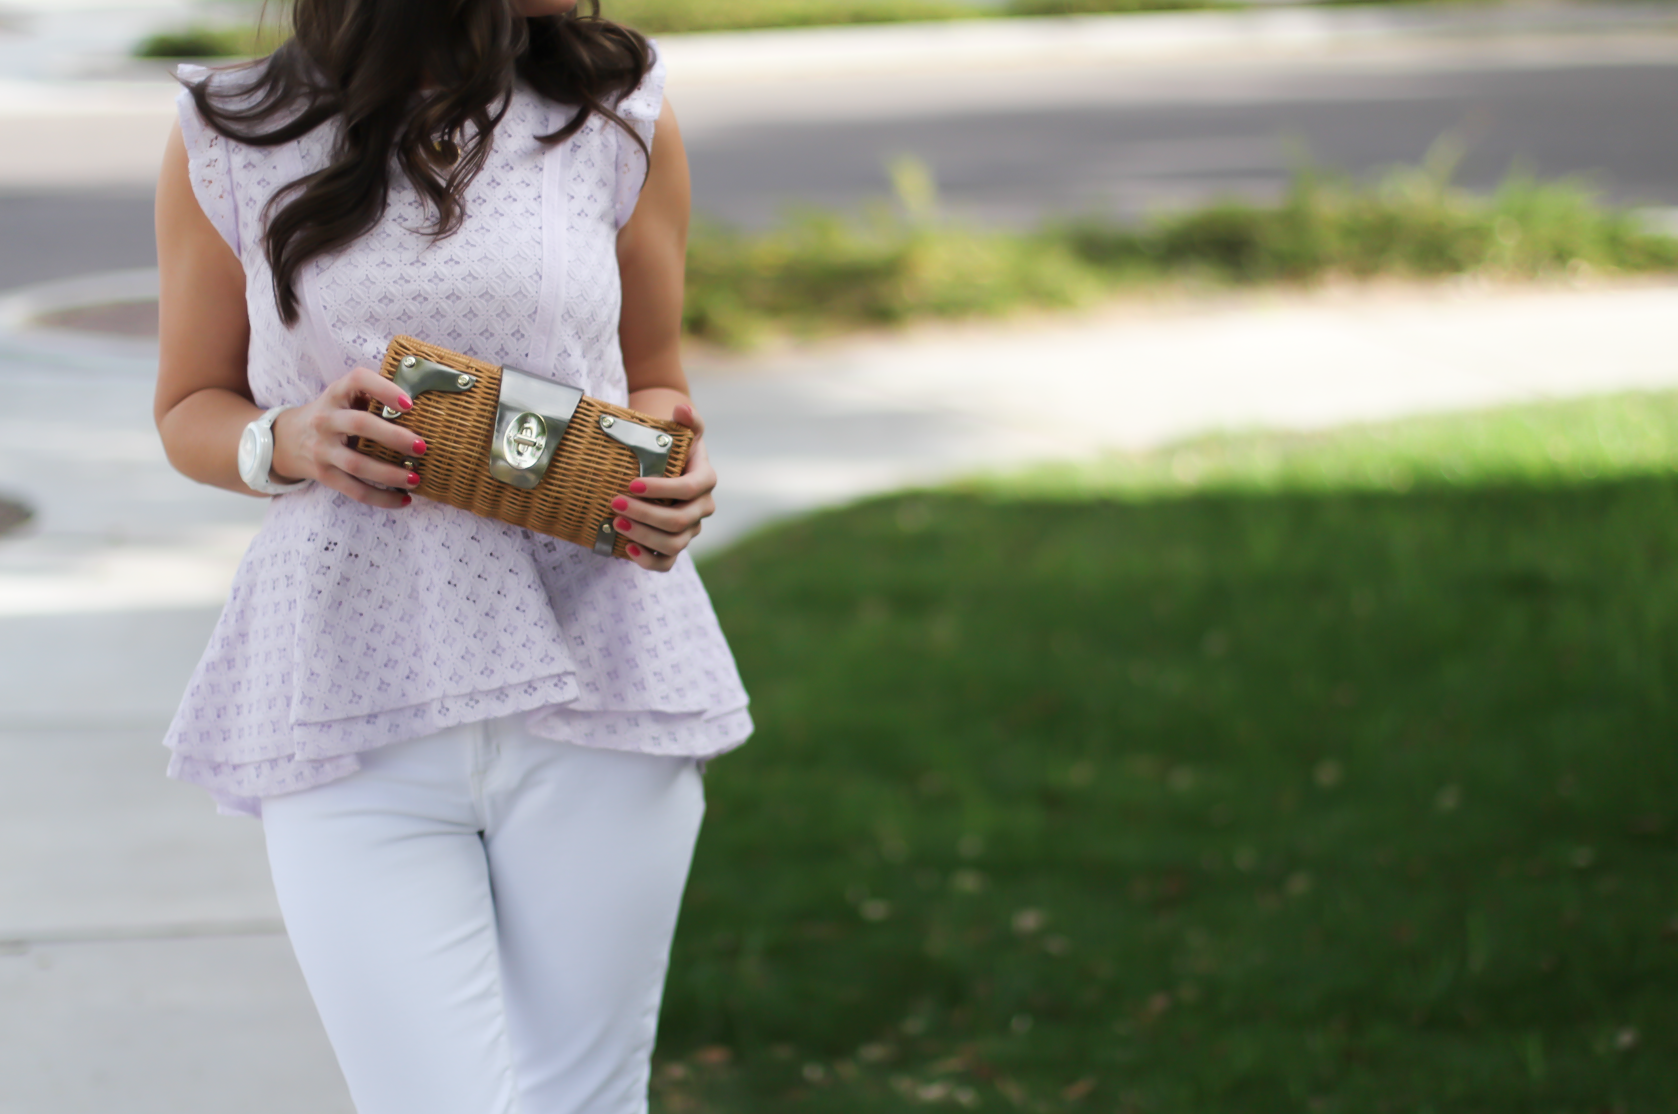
point(640, 107)
point(209, 158)
point(643, 103)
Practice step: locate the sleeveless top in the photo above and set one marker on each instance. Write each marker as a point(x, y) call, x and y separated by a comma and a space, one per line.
point(350, 627)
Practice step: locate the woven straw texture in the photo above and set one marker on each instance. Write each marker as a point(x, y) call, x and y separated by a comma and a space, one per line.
point(587, 472)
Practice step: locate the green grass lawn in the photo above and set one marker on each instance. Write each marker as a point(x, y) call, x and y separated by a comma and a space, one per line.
point(1323, 774)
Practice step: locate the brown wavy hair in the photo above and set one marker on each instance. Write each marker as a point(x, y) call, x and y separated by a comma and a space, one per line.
point(425, 80)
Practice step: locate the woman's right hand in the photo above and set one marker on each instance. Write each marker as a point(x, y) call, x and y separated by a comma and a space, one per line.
point(311, 442)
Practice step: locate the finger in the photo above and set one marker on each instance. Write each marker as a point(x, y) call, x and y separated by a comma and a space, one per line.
point(346, 484)
point(371, 471)
point(656, 540)
point(653, 562)
point(698, 464)
point(361, 383)
point(671, 519)
point(680, 489)
point(371, 427)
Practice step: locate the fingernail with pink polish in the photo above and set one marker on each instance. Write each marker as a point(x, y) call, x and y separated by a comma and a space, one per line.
point(419, 446)
point(413, 479)
point(406, 499)
point(620, 504)
point(633, 550)
point(404, 402)
point(624, 524)
point(638, 486)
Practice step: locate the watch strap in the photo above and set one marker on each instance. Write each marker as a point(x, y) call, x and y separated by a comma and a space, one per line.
point(265, 462)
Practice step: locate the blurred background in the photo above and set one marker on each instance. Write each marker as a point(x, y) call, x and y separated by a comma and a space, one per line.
point(1198, 509)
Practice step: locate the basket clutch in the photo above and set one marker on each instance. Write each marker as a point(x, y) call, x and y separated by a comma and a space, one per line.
point(510, 445)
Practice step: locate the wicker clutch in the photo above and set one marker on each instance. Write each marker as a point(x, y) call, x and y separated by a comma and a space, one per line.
point(506, 444)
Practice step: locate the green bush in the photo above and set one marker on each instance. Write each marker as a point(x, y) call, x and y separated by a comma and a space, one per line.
point(1095, 7)
point(821, 272)
point(243, 41)
point(676, 16)
point(1407, 225)
point(662, 17)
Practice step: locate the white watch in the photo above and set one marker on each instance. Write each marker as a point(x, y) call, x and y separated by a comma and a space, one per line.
point(256, 456)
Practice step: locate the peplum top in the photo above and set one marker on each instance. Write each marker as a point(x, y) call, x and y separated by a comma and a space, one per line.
point(350, 627)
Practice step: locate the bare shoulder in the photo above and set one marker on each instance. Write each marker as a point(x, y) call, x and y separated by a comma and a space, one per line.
point(178, 212)
point(667, 194)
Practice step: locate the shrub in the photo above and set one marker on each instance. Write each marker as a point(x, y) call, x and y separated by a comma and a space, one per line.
point(242, 41)
point(1094, 7)
point(662, 17)
point(821, 272)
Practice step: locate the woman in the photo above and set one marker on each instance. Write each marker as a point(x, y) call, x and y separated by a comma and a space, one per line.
point(475, 750)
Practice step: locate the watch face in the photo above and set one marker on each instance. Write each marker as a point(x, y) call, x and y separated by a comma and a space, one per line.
point(247, 455)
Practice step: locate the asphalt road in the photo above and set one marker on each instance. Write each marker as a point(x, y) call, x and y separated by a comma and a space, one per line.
point(1021, 146)
point(64, 233)
point(1027, 146)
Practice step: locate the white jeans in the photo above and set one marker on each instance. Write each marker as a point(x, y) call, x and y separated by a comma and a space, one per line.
point(484, 918)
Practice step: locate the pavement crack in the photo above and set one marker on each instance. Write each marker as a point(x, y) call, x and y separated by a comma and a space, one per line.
point(19, 943)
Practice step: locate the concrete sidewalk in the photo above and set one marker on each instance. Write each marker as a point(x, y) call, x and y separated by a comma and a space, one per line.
point(143, 966)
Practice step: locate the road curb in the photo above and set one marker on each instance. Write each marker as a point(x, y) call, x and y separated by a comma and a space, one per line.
point(27, 343)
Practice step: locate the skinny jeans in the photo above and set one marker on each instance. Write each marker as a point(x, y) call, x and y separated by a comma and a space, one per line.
point(484, 917)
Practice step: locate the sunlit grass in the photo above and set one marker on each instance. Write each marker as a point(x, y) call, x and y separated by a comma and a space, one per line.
point(1540, 444)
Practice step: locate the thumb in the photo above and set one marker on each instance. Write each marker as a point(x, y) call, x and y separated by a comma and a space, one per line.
point(686, 415)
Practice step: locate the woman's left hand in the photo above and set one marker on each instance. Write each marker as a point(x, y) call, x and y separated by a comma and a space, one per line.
point(658, 533)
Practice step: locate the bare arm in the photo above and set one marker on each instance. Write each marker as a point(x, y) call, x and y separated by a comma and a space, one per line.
point(203, 400)
point(652, 258)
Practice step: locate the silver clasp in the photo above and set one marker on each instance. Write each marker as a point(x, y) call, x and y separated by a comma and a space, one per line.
point(605, 538)
point(650, 446)
point(531, 417)
point(414, 376)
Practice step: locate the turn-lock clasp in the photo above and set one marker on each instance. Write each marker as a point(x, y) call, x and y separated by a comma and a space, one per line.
point(531, 417)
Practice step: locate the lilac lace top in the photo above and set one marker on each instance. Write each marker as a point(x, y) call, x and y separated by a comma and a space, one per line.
point(351, 627)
